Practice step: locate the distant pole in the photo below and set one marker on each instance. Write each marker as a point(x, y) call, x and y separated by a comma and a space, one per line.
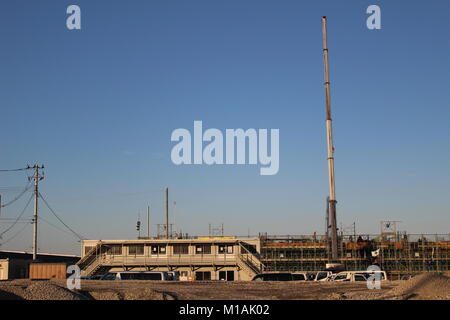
point(332, 197)
point(167, 212)
point(36, 177)
point(148, 221)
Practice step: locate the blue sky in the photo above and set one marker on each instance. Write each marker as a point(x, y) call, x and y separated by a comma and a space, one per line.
point(97, 107)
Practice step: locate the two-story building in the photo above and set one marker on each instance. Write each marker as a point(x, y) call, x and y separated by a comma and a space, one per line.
point(203, 258)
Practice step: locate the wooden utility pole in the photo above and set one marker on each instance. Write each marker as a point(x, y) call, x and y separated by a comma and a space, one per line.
point(36, 177)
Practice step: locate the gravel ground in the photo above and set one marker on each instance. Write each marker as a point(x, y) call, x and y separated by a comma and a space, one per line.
point(426, 286)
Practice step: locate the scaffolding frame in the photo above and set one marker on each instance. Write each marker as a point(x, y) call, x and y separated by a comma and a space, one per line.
point(402, 254)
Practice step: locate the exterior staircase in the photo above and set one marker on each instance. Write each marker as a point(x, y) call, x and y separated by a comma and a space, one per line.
point(91, 261)
point(249, 260)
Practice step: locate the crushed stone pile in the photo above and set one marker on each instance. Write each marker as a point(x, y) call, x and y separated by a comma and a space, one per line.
point(427, 286)
point(48, 291)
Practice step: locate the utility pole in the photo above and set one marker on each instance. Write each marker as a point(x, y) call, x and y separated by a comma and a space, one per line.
point(167, 212)
point(332, 197)
point(36, 177)
point(148, 221)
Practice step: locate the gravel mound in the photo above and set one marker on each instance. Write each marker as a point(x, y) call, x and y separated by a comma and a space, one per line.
point(49, 291)
point(130, 294)
point(105, 295)
point(427, 286)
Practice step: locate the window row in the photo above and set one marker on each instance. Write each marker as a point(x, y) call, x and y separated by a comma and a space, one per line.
point(161, 249)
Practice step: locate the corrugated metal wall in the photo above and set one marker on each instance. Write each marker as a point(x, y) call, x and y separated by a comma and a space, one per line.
point(48, 271)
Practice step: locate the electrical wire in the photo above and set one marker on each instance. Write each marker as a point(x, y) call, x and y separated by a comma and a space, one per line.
point(15, 235)
point(11, 170)
point(60, 220)
point(27, 187)
point(54, 226)
point(18, 218)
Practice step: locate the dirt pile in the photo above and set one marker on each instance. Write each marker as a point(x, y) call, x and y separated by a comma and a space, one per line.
point(427, 286)
point(41, 290)
point(129, 294)
point(423, 287)
point(49, 291)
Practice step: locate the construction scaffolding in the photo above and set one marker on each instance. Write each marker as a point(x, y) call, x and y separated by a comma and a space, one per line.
point(398, 254)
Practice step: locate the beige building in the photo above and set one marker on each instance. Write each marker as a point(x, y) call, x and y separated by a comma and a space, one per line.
point(203, 258)
point(15, 264)
point(13, 269)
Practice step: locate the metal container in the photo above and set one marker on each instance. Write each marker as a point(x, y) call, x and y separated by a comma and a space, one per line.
point(48, 270)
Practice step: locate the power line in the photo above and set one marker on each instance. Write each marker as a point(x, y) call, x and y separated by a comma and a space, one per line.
point(28, 187)
point(60, 220)
point(55, 226)
point(12, 170)
point(14, 236)
point(11, 220)
point(18, 218)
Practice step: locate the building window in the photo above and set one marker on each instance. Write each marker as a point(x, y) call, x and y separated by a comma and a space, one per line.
point(115, 250)
point(136, 250)
point(203, 275)
point(180, 249)
point(87, 249)
point(225, 249)
point(158, 249)
point(203, 249)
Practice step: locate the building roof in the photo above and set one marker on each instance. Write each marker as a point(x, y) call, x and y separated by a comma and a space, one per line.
point(41, 256)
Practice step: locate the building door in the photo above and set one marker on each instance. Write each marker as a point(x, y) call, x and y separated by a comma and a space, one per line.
point(226, 275)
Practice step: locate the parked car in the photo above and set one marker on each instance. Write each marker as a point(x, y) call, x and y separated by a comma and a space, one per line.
point(174, 275)
point(94, 277)
point(300, 276)
point(323, 276)
point(137, 275)
point(348, 276)
point(357, 275)
point(273, 277)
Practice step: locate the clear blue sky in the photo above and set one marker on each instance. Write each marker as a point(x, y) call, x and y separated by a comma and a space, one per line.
point(97, 108)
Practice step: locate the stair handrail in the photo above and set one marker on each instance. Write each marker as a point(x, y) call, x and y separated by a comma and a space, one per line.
point(89, 255)
point(251, 259)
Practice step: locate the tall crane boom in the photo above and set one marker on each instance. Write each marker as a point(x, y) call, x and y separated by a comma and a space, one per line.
point(332, 227)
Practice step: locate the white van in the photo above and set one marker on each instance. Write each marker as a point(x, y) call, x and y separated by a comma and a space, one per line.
point(137, 275)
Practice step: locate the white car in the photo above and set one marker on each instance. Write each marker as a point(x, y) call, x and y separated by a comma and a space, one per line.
point(358, 276)
point(323, 276)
